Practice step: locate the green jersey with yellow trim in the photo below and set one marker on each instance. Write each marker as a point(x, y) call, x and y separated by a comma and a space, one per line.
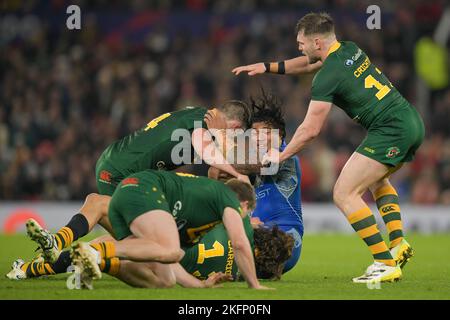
point(196, 203)
point(151, 147)
point(214, 253)
point(349, 80)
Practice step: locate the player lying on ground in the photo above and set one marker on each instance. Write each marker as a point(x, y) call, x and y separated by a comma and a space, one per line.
point(348, 79)
point(278, 197)
point(206, 263)
point(146, 209)
point(147, 148)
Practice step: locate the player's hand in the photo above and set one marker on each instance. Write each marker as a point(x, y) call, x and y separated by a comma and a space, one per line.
point(215, 120)
point(251, 69)
point(216, 279)
point(243, 178)
point(272, 156)
point(256, 222)
point(224, 177)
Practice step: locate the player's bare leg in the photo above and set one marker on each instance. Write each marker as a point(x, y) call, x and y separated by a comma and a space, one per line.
point(359, 173)
point(387, 201)
point(146, 274)
point(155, 239)
point(93, 211)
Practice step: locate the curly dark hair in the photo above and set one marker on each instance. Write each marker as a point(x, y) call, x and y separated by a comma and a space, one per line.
point(267, 108)
point(273, 247)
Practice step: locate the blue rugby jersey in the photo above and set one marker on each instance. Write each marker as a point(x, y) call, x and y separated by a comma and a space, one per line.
point(278, 202)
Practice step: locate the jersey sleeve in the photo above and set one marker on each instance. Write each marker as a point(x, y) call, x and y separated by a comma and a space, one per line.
point(325, 85)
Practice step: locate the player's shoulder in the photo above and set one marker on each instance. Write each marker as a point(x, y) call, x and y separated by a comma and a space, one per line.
point(343, 56)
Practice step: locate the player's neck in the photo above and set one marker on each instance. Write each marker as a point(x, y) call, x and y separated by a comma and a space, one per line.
point(330, 45)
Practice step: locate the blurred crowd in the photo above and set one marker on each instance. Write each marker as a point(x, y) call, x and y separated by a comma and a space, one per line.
point(65, 95)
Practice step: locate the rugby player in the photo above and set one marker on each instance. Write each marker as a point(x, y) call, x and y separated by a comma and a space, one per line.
point(204, 265)
point(152, 212)
point(347, 78)
point(147, 148)
point(278, 196)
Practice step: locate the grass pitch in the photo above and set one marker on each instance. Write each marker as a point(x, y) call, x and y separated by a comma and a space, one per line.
point(327, 264)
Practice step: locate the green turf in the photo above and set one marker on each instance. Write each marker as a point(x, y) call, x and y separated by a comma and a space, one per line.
point(327, 265)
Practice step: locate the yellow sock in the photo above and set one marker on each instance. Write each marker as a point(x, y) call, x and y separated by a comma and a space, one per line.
point(110, 266)
point(365, 225)
point(37, 269)
point(64, 237)
point(388, 206)
point(107, 249)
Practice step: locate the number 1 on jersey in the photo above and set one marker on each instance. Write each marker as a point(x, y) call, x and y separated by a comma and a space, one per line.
point(217, 251)
point(371, 82)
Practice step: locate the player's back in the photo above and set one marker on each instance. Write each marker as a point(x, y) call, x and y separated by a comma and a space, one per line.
point(151, 147)
point(213, 253)
point(197, 203)
point(351, 81)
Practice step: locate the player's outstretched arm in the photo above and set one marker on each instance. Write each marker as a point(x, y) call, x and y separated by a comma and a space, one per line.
point(298, 65)
point(241, 246)
point(307, 131)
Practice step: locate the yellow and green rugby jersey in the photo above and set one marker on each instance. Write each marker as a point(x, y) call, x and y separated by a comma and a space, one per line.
point(196, 203)
point(151, 147)
point(349, 80)
point(214, 253)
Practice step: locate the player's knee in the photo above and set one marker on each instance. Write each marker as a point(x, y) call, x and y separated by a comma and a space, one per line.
point(92, 199)
point(99, 202)
point(339, 194)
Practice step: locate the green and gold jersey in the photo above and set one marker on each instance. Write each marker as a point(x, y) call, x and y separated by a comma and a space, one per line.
point(349, 80)
point(197, 203)
point(151, 147)
point(213, 253)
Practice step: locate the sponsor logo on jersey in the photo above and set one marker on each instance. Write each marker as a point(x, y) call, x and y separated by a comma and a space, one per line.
point(176, 207)
point(369, 150)
point(357, 55)
point(392, 152)
point(349, 62)
point(387, 209)
point(130, 182)
point(105, 176)
point(262, 193)
point(161, 165)
point(181, 224)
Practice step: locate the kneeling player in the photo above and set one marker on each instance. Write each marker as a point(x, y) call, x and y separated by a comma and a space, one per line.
point(146, 208)
point(205, 264)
